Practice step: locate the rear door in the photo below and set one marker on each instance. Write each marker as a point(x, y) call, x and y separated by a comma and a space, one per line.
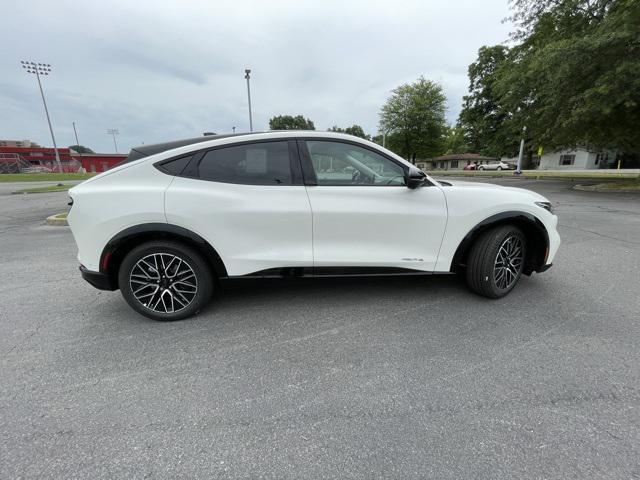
point(249, 202)
point(363, 213)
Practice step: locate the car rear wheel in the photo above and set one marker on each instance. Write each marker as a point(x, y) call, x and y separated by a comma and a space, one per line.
point(480, 168)
point(495, 262)
point(165, 280)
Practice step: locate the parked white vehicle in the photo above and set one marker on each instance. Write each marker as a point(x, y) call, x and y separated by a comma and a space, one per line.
point(496, 166)
point(174, 219)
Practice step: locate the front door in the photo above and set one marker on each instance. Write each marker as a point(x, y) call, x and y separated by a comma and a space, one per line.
point(364, 215)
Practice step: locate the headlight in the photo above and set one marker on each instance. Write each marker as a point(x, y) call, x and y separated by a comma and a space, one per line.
point(546, 205)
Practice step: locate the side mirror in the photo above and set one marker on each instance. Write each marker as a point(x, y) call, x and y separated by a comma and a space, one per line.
point(415, 178)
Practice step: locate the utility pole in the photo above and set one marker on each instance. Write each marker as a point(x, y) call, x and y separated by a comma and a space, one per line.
point(234, 129)
point(519, 167)
point(247, 75)
point(43, 69)
point(113, 132)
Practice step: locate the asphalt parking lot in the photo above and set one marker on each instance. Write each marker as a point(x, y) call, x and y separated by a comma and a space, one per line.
point(350, 378)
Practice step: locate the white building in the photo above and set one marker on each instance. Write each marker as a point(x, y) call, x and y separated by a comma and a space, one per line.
point(578, 159)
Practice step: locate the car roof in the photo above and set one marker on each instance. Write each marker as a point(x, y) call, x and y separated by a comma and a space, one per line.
point(142, 151)
point(184, 146)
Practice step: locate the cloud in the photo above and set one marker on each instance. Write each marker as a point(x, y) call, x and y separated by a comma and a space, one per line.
point(159, 71)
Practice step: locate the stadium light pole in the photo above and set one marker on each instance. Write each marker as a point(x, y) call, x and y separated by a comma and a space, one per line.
point(75, 133)
point(247, 75)
point(113, 132)
point(43, 69)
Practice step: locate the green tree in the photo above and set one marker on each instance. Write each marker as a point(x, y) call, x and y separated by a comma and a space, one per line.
point(289, 122)
point(81, 149)
point(484, 119)
point(355, 130)
point(413, 118)
point(454, 140)
point(393, 141)
point(574, 77)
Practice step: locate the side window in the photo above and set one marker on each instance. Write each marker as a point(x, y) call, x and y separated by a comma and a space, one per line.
point(337, 163)
point(175, 166)
point(253, 164)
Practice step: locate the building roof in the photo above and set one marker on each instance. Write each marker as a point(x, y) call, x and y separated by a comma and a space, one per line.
point(474, 157)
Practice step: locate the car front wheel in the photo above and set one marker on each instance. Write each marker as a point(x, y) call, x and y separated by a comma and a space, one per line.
point(496, 261)
point(165, 280)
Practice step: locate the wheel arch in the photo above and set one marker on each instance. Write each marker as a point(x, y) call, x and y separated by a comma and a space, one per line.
point(120, 244)
point(534, 230)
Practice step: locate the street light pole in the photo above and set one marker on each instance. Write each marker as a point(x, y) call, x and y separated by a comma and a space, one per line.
point(75, 133)
point(113, 132)
point(520, 154)
point(247, 75)
point(43, 69)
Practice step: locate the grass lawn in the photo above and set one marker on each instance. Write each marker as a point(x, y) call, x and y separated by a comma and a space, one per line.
point(43, 177)
point(48, 188)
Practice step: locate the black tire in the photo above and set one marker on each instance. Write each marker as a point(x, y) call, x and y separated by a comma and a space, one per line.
point(485, 271)
point(181, 290)
point(499, 168)
point(480, 168)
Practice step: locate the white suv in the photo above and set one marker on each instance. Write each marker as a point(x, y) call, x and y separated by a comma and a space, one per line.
point(175, 218)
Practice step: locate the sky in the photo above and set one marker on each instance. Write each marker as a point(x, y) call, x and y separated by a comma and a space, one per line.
point(164, 70)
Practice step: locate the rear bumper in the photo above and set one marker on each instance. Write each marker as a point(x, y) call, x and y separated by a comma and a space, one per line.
point(99, 280)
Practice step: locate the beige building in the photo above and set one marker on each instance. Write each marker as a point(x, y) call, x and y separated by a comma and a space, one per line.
point(454, 161)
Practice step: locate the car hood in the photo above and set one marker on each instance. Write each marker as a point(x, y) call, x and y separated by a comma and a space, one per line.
point(492, 187)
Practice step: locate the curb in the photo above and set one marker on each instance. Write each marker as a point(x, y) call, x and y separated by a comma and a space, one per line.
point(34, 193)
point(55, 221)
point(22, 192)
point(534, 175)
point(596, 188)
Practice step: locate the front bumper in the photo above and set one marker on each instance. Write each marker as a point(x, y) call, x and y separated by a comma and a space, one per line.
point(99, 280)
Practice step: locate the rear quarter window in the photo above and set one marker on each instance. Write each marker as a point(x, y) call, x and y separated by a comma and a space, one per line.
point(175, 166)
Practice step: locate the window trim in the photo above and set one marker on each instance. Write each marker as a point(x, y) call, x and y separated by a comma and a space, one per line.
point(309, 173)
point(191, 169)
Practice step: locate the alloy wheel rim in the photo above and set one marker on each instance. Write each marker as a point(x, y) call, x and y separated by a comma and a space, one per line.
point(163, 283)
point(508, 263)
